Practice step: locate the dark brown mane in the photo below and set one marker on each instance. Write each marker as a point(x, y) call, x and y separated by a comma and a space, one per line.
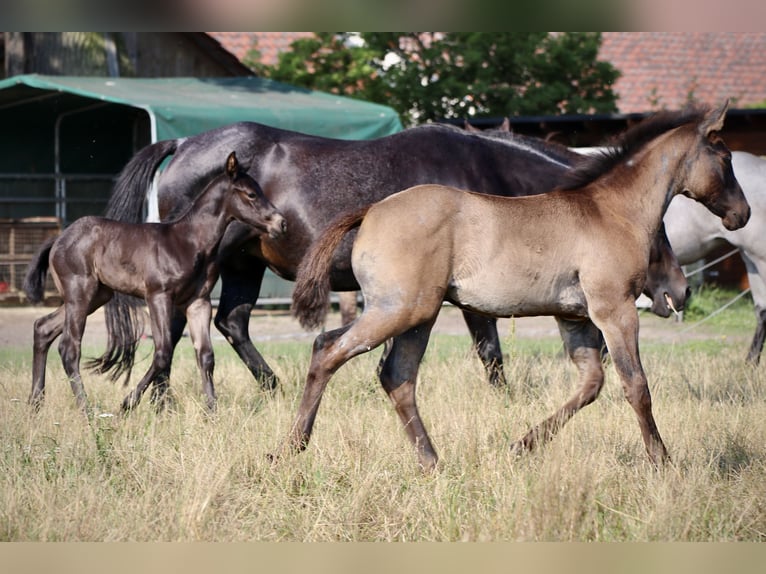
point(628, 143)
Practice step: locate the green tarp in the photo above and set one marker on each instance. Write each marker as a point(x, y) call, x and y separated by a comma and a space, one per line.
point(65, 138)
point(180, 107)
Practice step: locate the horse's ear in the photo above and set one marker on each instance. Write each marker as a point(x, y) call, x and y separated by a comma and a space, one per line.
point(714, 120)
point(232, 166)
point(469, 127)
point(506, 125)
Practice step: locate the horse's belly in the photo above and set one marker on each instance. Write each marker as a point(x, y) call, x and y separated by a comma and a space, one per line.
point(564, 298)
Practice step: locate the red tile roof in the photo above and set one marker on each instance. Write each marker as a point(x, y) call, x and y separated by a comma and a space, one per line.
point(660, 69)
point(270, 44)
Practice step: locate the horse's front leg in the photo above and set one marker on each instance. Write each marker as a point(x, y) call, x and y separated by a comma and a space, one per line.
point(240, 285)
point(758, 292)
point(160, 312)
point(619, 324)
point(582, 341)
point(198, 314)
point(46, 330)
point(160, 387)
point(487, 343)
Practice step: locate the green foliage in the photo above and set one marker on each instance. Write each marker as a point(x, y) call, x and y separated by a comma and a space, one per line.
point(708, 299)
point(429, 76)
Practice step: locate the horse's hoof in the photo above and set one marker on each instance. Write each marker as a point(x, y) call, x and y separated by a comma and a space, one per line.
point(519, 449)
point(36, 403)
point(128, 404)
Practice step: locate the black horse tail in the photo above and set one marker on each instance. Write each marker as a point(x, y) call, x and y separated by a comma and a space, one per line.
point(311, 296)
point(34, 281)
point(129, 193)
point(123, 313)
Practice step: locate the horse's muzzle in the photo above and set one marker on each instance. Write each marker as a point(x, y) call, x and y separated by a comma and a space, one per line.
point(277, 226)
point(734, 219)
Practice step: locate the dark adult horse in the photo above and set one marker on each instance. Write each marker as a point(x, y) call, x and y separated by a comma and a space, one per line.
point(579, 252)
point(312, 179)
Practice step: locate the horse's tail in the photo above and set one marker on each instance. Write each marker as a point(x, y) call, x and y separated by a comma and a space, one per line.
point(129, 193)
point(123, 315)
point(311, 296)
point(34, 281)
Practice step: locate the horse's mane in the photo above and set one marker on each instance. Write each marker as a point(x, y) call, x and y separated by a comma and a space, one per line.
point(627, 144)
point(555, 150)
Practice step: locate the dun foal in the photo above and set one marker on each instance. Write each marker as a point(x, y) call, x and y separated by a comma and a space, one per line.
point(580, 252)
point(168, 264)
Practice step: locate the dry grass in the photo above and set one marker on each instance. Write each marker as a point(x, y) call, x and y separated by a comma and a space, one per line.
point(186, 476)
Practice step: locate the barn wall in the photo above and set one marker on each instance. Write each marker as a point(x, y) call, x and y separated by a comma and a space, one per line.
point(128, 54)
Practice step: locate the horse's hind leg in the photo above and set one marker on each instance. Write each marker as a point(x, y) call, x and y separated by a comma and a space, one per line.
point(199, 314)
point(398, 376)
point(487, 342)
point(582, 341)
point(46, 330)
point(239, 292)
point(70, 348)
point(331, 350)
point(160, 312)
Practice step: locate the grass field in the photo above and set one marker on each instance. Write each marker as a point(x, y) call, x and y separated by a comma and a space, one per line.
point(186, 476)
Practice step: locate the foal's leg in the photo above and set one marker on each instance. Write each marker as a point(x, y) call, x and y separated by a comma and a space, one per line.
point(160, 387)
point(620, 328)
point(399, 378)
point(160, 313)
point(76, 312)
point(331, 350)
point(239, 292)
point(46, 330)
point(582, 341)
point(487, 342)
point(199, 313)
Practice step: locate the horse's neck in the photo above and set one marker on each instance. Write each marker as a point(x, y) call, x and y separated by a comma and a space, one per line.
point(205, 222)
point(655, 175)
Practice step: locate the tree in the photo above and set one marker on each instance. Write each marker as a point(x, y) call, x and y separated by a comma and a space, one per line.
point(429, 76)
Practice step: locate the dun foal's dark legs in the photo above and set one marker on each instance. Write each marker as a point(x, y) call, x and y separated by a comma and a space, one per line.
point(398, 376)
point(325, 360)
point(582, 341)
point(620, 329)
point(487, 342)
point(239, 292)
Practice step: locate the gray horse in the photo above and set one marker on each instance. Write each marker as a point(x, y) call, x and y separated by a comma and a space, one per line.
point(694, 232)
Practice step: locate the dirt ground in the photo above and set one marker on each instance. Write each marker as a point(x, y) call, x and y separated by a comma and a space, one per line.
point(16, 327)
